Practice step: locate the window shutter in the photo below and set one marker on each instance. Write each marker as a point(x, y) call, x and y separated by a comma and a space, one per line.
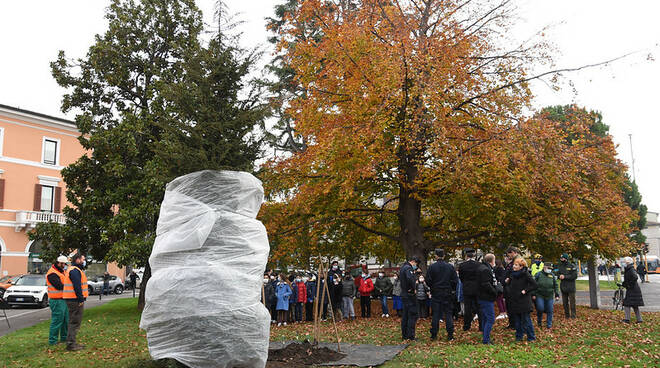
point(37, 197)
point(58, 200)
point(2, 193)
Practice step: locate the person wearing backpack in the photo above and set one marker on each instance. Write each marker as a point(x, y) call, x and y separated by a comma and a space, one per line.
point(546, 293)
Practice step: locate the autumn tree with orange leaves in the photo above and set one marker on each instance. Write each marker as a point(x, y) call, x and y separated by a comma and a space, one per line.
point(413, 119)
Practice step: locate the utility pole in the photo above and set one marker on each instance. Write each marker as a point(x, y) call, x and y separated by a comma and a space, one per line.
point(632, 156)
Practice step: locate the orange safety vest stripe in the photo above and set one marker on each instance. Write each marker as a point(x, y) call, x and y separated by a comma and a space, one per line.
point(69, 292)
point(52, 292)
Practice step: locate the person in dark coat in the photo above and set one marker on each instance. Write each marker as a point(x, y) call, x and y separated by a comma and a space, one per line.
point(442, 279)
point(268, 296)
point(486, 295)
point(567, 273)
point(511, 254)
point(468, 272)
point(633, 298)
point(383, 289)
point(311, 295)
point(106, 283)
point(641, 271)
point(521, 286)
point(273, 303)
point(408, 291)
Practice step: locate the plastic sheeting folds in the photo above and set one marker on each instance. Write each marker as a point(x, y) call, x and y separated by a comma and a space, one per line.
point(203, 299)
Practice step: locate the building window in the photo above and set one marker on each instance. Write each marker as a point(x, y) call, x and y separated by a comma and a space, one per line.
point(47, 197)
point(50, 152)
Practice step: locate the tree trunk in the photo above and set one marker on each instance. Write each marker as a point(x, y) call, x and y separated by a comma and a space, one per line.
point(594, 284)
point(143, 286)
point(411, 234)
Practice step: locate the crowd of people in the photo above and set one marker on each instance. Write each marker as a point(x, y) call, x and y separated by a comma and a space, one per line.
point(472, 290)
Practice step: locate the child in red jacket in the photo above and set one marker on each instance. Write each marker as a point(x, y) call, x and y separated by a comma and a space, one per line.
point(365, 289)
point(301, 298)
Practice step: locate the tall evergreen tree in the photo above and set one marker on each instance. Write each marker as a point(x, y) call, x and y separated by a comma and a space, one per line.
point(153, 102)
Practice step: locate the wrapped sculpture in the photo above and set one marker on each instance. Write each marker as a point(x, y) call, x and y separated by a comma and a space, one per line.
point(203, 299)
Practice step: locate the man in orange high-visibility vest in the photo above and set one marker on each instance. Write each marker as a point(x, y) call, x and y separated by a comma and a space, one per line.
point(59, 313)
point(75, 292)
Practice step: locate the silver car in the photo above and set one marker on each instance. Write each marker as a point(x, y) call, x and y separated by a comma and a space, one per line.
point(95, 285)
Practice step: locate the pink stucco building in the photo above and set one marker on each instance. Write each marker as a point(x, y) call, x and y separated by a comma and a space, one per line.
point(33, 149)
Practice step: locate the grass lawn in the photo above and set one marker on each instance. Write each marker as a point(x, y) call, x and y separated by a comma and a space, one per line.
point(583, 285)
point(595, 339)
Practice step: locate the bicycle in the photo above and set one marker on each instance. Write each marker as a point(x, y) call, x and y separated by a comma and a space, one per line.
point(617, 299)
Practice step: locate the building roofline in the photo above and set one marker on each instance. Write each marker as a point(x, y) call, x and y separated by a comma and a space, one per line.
point(52, 119)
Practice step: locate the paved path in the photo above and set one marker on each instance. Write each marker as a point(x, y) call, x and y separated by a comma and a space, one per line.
point(23, 317)
point(650, 293)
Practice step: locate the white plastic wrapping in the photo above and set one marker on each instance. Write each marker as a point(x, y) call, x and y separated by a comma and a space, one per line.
point(203, 299)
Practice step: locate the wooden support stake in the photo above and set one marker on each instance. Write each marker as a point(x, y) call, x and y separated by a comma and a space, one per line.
point(332, 311)
point(316, 305)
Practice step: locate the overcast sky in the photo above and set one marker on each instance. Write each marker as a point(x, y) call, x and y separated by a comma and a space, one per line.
point(584, 31)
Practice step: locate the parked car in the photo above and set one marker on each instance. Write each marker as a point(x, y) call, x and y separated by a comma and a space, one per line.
point(6, 282)
point(28, 290)
point(95, 285)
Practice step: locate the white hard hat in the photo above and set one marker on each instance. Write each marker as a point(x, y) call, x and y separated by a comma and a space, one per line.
point(62, 259)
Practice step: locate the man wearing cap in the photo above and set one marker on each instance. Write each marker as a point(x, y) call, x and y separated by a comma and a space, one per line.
point(537, 266)
point(59, 313)
point(441, 277)
point(409, 318)
point(567, 274)
point(468, 272)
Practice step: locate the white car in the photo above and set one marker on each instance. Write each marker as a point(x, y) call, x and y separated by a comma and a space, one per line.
point(28, 290)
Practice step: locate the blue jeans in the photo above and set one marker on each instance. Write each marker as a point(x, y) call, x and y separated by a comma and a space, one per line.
point(544, 305)
point(487, 310)
point(383, 304)
point(524, 325)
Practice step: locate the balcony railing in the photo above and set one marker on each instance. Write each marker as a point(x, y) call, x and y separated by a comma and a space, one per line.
point(30, 219)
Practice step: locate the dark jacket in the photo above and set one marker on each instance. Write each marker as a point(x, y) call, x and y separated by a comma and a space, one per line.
point(633, 292)
point(76, 278)
point(293, 299)
point(468, 271)
point(567, 285)
point(269, 294)
point(106, 279)
point(311, 291)
point(422, 291)
point(486, 288)
point(336, 293)
point(548, 287)
point(519, 281)
point(500, 274)
point(383, 286)
point(441, 277)
point(407, 277)
point(348, 288)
